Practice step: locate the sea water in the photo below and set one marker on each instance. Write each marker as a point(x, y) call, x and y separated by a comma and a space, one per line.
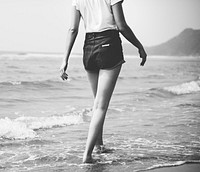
point(153, 118)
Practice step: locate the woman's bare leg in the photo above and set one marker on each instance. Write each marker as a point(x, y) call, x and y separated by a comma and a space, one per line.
point(93, 79)
point(105, 86)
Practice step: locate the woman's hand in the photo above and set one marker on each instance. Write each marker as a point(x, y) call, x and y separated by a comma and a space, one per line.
point(143, 56)
point(63, 69)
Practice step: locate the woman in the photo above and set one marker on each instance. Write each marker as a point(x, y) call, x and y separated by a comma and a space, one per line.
point(102, 57)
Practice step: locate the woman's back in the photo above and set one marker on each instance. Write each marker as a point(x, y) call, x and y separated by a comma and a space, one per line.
point(102, 57)
point(97, 14)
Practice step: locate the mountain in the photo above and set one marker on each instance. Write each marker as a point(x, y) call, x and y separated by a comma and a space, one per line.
point(187, 43)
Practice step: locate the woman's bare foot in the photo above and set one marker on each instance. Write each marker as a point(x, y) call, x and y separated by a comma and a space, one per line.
point(101, 149)
point(87, 159)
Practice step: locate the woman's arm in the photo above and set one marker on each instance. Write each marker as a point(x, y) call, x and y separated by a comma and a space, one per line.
point(126, 31)
point(71, 37)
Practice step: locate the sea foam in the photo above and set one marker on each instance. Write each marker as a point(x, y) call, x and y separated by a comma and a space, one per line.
point(185, 88)
point(11, 129)
point(25, 127)
point(177, 163)
point(172, 164)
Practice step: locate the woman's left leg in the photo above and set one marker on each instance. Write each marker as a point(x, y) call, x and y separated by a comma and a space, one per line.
point(106, 83)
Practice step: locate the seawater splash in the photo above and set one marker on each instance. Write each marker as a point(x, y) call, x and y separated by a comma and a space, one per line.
point(36, 123)
point(25, 127)
point(15, 82)
point(185, 88)
point(12, 129)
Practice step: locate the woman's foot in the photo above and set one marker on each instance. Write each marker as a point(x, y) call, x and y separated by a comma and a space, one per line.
point(101, 149)
point(87, 159)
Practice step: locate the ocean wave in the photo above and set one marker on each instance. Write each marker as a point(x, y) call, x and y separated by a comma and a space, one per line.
point(31, 83)
point(184, 105)
point(26, 127)
point(11, 129)
point(41, 82)
point(25, 56)
point(151, 76)
point(185, 88)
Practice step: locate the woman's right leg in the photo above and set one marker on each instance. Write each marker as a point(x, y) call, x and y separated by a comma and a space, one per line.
point(93, 79)
point(106, 83)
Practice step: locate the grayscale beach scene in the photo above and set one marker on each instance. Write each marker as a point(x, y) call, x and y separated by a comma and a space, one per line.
point(153, 120)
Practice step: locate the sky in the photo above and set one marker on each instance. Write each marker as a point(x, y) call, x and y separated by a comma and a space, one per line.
point(41, 25)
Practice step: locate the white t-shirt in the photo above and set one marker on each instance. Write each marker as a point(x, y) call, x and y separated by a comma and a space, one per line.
point(97, 14)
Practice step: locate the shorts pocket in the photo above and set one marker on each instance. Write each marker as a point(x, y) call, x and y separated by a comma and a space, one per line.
point(108, 55)
point(106, 49)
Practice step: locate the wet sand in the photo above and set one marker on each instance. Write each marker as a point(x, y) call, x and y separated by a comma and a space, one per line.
point(182, 168)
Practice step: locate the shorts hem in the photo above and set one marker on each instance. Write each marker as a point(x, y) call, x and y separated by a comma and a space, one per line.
point(118, 64)
point(111, 68)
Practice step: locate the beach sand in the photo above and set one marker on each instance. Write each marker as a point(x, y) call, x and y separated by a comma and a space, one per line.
point(182, 168)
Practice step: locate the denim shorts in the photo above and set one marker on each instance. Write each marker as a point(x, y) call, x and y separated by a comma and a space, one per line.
point(102, 50)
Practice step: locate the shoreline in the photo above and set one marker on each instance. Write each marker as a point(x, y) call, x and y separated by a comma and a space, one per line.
point(182, 168)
